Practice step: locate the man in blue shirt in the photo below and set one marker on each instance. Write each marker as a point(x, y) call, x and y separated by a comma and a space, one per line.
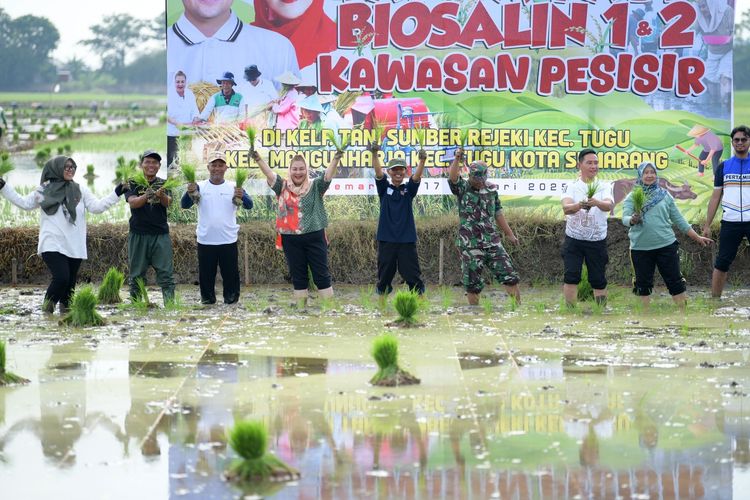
point(732, 191)
point(397, 232)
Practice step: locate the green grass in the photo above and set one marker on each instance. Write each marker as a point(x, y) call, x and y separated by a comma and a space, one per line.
point(80, 97)
point(131, 140)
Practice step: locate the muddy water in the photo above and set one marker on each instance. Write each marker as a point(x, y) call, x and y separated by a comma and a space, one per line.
point(531, 403)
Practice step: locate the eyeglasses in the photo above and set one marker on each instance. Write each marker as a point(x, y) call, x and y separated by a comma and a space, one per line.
point(70, 168)
point(740, 139)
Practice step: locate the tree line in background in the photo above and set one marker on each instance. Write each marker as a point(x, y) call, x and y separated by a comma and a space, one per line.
point(27, 42)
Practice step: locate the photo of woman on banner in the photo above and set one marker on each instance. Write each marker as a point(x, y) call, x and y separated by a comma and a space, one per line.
point(297, 20)
point(209, 39)
point(716, 23)
point(285, 109)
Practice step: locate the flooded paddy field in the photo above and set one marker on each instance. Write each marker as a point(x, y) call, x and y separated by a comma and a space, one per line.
point(515, 402)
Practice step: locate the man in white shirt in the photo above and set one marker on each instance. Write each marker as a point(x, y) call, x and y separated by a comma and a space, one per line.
point(586, 229)
point(257, 93)
point(181, 110)
point(209, 39)
point(217, 229)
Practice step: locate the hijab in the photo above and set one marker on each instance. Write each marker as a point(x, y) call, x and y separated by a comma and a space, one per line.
point(654, 193)
point(303, 188)
point(57, 191)
point(312, 33)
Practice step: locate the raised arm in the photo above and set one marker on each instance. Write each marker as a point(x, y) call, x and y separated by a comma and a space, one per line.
point(28, 202)
point(374, 149)
point(417, 176)
point(270, 174)
point(95, 205)
point(333, 166)
point(456, 165)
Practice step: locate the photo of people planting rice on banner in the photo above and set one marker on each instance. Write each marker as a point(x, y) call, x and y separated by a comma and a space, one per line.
point(387, 249)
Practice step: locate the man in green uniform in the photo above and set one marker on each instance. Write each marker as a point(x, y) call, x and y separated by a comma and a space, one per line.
point(480, 215)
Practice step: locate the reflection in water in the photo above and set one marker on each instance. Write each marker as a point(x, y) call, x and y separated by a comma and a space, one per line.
point(509, 426)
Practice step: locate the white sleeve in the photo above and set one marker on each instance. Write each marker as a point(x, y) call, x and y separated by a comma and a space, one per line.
point(97, 206)
point(29, 202)
point(209, 107)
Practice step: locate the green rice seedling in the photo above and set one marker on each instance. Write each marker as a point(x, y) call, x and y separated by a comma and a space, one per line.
point(252, 133)
point(591, 188)
point(169, 184)
point(125, 171)
point(585, 292)
point(310, 283)
point(249, 439)
point(90, 170)
point(139, 179)
point(638, 197)
point(421, 134)
point(377, 132)
point(597, 308)
point(240, 178)
point(446, 297)
point(385, 353)
point(540, 307)
point(6, 165)
point(109, 292)
point(188, 172)
point(571, 308)
point(8, 378)
point(486, 304)
point(175, 303)
point(406, 303)
point(328, 304)
point(334, 138)
point(512, 303)
point(141, 301)
point(365, 297)
point(83, 309)
point(463, 138)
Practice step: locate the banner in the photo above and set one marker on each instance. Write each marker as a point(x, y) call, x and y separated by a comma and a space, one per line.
point(522, 85)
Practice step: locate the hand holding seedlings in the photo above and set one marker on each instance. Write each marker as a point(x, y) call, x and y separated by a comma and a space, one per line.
point(635, 219)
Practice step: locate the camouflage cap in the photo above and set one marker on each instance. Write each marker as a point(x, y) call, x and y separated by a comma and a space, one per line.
point(478, 169)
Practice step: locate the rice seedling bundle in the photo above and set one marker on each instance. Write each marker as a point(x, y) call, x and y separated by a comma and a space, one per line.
point(385, 353)
point(83, 309)
point(109, 291)
point(406, 304)
point(638, 198)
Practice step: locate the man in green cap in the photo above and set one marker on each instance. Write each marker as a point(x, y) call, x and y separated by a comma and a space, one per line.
point(480, 215)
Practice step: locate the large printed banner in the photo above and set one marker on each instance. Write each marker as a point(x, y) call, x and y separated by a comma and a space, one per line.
point(522, 85)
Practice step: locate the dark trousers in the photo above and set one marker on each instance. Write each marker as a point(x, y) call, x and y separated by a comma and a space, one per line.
point(715, 160)
point(303, 251)
point(730, 238)
point(593, 253)
point(171, 149)
point(667, 260)
point(401, 257)
point(225, 257)
point(64, 274)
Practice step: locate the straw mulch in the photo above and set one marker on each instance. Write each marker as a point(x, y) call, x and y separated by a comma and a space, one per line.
point(353, 253)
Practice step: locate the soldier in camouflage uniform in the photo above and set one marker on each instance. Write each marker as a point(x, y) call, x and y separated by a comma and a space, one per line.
point(480, 216)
